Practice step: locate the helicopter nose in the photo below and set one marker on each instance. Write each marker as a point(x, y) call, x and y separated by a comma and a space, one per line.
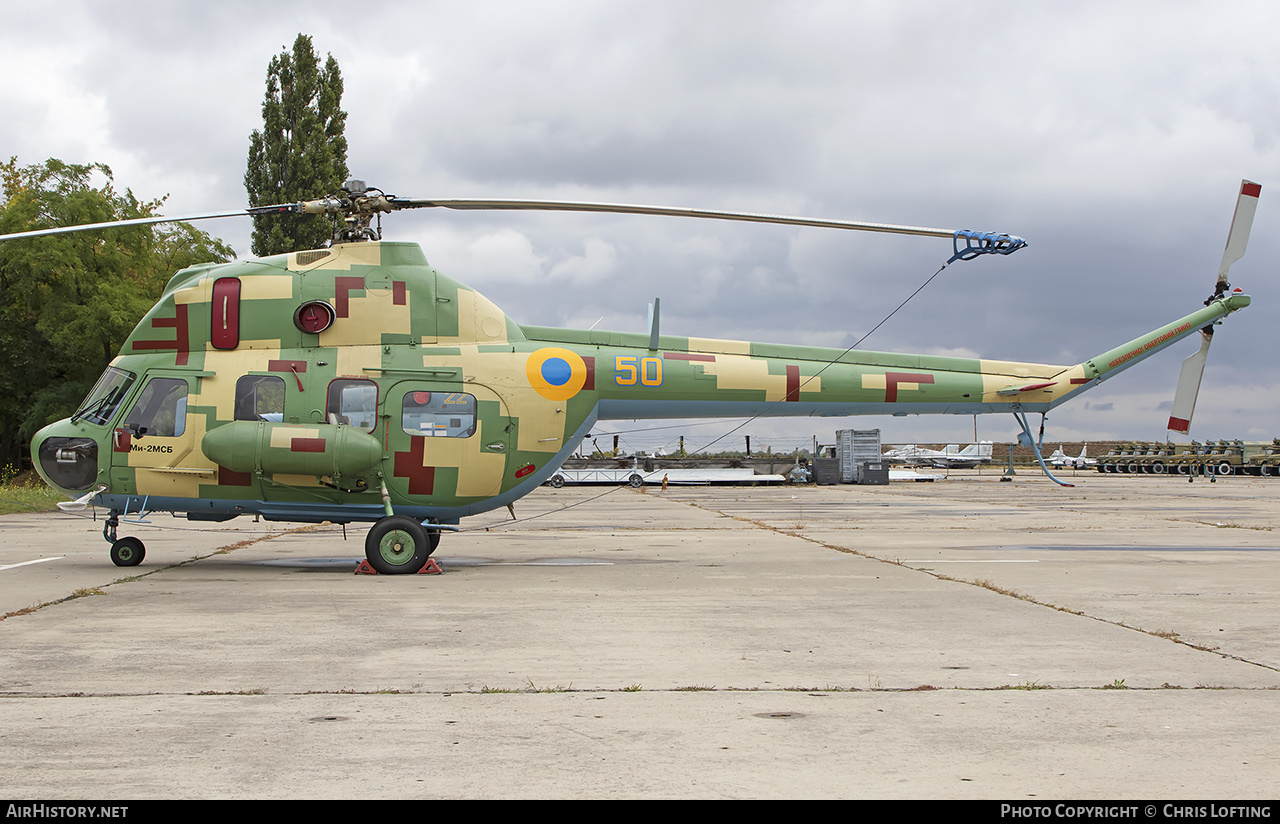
point(68, 462)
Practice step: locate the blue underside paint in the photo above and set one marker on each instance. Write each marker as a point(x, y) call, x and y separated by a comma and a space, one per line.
point(628, 409)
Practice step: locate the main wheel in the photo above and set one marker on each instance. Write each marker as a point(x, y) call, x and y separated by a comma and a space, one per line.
point(397, 545)
point(127, 552)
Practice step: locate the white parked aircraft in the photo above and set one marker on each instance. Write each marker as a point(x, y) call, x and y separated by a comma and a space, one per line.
point(952, 457)
point(1060, 458)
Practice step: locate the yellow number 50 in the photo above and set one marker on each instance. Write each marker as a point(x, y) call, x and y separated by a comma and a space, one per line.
point(630, 369)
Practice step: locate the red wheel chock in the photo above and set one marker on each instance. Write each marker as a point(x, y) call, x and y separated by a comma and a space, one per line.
point(429, 568)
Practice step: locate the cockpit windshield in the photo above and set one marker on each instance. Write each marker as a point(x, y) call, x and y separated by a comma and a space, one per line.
point(103, 400)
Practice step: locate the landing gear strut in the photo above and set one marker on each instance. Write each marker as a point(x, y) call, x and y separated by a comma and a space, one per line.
point(127, 551)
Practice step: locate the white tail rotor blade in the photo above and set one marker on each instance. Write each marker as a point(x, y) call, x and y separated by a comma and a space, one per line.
point(1241, 223)
point(1184, 399)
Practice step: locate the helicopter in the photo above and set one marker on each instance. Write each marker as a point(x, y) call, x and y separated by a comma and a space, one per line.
point(356, 383)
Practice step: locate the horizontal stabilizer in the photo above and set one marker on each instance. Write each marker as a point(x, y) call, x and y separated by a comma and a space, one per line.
point(1025, 387)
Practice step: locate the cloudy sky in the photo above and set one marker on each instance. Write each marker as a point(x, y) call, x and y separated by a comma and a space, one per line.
point(1111, 135)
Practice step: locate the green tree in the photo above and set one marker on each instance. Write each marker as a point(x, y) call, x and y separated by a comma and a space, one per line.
point(301, 152)
point(68, 302)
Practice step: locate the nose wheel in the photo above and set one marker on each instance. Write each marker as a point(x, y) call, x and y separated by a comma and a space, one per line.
point(127, 551)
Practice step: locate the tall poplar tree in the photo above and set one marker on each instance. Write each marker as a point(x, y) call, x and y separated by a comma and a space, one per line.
point(301, 151)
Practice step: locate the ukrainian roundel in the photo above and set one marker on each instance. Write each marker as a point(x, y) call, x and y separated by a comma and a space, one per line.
point(556, 374)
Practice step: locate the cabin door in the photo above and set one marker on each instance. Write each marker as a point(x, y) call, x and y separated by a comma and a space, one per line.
point(448, 444)
point(155, 446)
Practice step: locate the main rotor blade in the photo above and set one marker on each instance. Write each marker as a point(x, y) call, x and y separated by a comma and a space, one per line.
point(667, 211)
point(1241, 223)
point(145, 221)
point(1184, 398)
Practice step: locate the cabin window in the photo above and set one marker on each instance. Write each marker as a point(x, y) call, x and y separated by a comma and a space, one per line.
point(439, 414)
point(353, 402)
point(160, 410)
point(224, 332)
point(260, 398)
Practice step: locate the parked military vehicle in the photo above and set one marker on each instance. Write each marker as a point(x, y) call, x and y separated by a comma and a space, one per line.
point(1227, 457)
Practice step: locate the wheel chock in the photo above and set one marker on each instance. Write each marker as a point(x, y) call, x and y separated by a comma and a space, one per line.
point(429, 568)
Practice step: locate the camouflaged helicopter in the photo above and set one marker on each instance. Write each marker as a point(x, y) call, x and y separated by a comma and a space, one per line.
point(356, 383)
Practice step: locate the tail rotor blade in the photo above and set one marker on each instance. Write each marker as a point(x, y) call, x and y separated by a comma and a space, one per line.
point(1241, 223)
point(1184, 399)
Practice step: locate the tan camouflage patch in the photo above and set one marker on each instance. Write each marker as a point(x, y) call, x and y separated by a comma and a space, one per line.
point(343, 256)
point(176, 473)
point(1014, 369)
point(266, 287)
point(479, 472)
point(356, 360)
point(715, 346)
point(997, 375)
point(302, 481)
point(479, 321)
point(219, 389)
point(368, 316)
point(753, 373)
point(257, 287)
point(282, 436)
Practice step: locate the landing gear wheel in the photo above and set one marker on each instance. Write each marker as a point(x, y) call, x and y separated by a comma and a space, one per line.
point(635, 481)
point(127, 552)
point(397, 545)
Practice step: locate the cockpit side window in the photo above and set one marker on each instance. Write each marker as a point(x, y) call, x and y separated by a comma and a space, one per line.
point(103, 400)
point(161, 409)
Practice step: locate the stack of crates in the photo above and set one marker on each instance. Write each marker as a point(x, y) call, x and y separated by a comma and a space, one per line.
point(858, 451)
